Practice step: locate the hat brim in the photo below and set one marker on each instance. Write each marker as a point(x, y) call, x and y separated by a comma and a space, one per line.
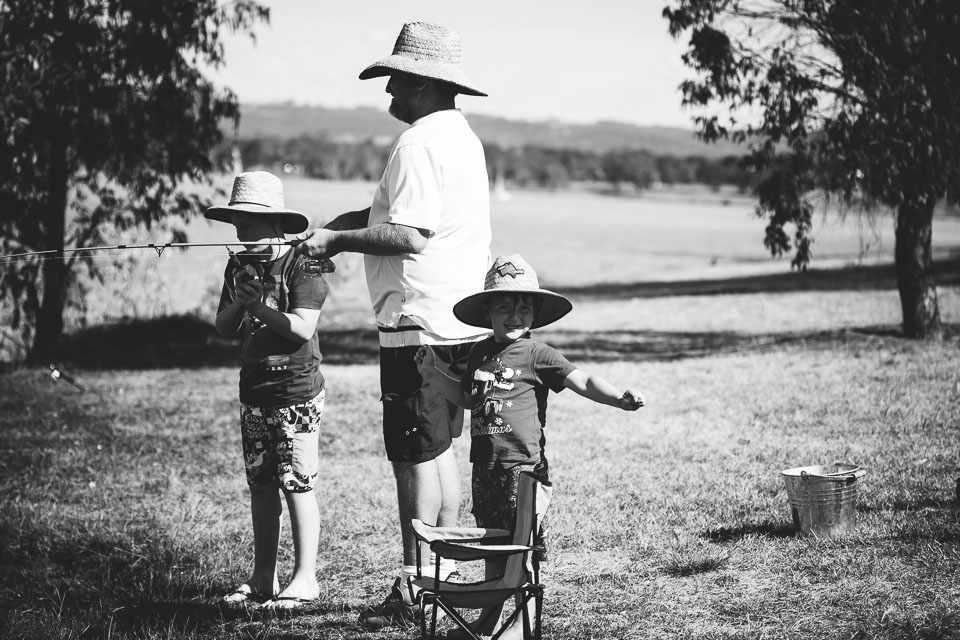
point(290, 221)
point(424, 68)
point(553, 306)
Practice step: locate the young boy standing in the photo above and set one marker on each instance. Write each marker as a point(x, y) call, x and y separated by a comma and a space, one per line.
point(272, 298)
point(507, 380)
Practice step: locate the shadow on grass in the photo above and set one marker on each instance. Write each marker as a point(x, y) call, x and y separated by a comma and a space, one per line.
point(186, 342)
point(186, 615)
point(775, 530)
point(920, 503)
point(196, 614)
point(666, 346)
point(189, 342)
point(58, 574)
point(855, 278)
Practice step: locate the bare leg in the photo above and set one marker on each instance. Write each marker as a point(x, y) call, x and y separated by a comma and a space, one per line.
point(305, 527)
point(450, 489)
point(419, 495)
point(429, 491)
point(266, 509)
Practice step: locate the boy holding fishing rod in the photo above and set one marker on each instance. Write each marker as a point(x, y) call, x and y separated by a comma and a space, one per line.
point(272, 298)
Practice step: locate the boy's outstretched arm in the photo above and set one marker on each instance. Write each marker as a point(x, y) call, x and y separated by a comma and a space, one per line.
point(599, 390)
point(448, 386)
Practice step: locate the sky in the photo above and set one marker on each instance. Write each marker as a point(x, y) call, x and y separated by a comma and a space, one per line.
point(576, 61)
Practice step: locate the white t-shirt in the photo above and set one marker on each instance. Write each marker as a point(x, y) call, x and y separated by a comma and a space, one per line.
point(436, 180)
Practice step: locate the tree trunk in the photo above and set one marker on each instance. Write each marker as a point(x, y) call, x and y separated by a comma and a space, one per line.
point(918, 292)
point(50, 318)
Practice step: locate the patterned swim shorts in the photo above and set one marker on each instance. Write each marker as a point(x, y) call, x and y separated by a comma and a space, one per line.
point(281, 444)
point(495, 499)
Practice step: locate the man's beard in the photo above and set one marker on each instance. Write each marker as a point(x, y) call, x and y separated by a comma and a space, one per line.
point(398, 111)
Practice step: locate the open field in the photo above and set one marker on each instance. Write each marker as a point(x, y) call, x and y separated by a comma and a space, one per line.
point(576, 240)
point(123, 511)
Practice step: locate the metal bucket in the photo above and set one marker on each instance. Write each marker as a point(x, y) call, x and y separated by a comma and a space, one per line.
point(823, 499)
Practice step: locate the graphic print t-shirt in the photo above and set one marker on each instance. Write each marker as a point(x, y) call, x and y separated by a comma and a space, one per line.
point(508, 386)
point(276, 371)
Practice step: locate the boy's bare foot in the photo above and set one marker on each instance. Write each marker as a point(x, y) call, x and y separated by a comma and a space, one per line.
point(302, 591)
point(288, 603)
point(244, 595)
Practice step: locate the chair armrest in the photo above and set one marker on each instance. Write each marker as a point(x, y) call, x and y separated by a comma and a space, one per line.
point(467, 552)
point(429, 533)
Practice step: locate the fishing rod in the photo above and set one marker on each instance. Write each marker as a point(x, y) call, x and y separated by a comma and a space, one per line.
point(314, 265)
point(158, 247)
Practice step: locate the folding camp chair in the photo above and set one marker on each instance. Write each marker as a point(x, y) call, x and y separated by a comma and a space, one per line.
point(520, 578)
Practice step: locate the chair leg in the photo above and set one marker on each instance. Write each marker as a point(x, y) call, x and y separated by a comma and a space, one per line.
point(526, 618)
point(425, 601)
point(423, 618)
point(538, 614)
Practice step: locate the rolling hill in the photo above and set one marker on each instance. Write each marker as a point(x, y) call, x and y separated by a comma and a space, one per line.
point(288, 120)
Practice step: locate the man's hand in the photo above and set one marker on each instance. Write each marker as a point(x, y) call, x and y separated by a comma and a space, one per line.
point(631, 400)
point(316, 244)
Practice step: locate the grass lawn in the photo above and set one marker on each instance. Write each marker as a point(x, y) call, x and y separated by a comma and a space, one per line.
point(123, 510)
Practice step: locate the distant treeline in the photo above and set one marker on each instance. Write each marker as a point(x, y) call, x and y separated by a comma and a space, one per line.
point(527, 166)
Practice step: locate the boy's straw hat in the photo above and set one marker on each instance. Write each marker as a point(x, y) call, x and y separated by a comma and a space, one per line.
point(428, 50)
point(259, 192)
point(512, 274)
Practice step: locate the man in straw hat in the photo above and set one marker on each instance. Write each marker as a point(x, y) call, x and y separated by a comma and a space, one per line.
point(426, 237)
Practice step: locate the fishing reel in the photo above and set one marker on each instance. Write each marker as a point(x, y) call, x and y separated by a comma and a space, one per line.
point(249, 266)
point(316, 267)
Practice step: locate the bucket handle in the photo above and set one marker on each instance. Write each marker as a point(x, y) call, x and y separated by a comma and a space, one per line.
point(843, 473)
point(836, 474)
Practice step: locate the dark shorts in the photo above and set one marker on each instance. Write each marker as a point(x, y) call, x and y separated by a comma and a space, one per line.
point(281, 445)
point(495, 498)
point(418, 422)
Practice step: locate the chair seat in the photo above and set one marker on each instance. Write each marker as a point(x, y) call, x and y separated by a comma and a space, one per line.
point(470, 596)
point(430, 533)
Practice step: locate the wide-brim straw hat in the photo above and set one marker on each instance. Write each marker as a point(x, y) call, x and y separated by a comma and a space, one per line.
point(428, 50)
point(512, 274)
point(259, 192)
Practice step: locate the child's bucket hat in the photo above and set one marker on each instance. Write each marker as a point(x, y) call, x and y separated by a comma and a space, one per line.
point(512, 274)
point(428, 50)
point(259, 192)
